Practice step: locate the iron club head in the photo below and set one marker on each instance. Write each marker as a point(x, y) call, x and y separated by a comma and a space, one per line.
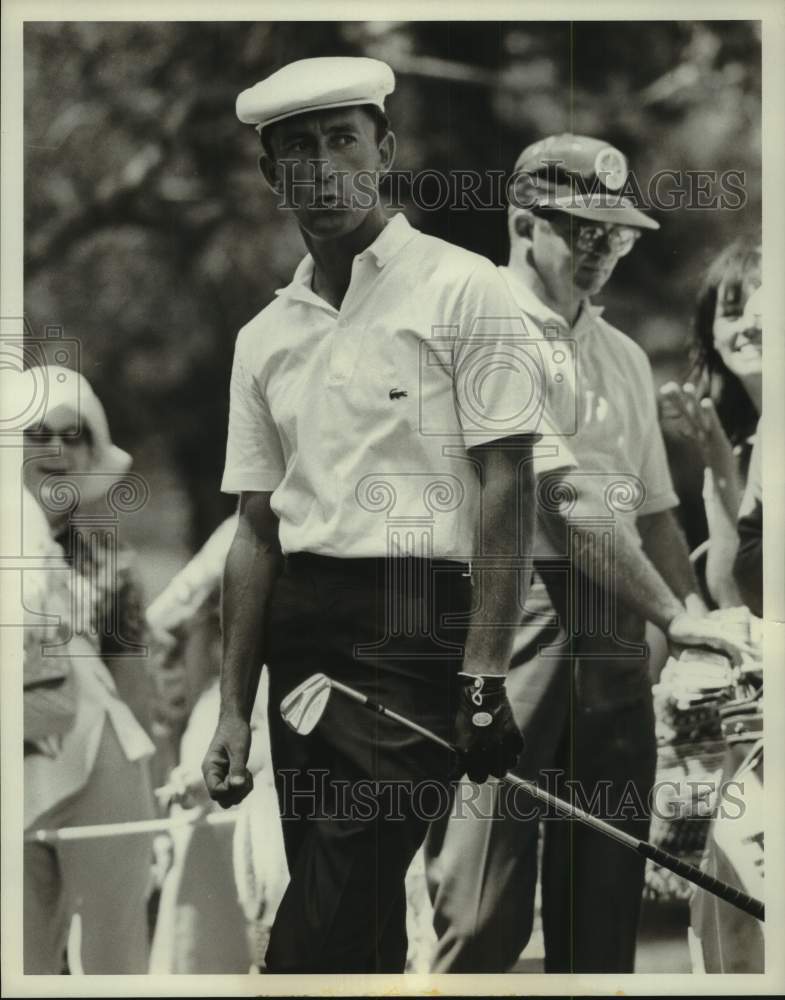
point(302, 708)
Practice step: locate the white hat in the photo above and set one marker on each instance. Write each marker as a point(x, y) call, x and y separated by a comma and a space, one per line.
point(315, 85)
point(39, 391)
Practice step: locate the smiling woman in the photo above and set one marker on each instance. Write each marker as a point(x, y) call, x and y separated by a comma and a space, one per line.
point(718, 410)
point(719, 365)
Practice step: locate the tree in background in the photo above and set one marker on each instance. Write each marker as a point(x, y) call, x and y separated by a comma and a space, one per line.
point(150, 237)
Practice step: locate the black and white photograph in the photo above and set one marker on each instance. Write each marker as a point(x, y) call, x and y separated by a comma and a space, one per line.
point(385, 602)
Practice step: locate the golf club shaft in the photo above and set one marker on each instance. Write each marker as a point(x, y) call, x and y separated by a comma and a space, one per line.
point(374, 706)
point(662, 858)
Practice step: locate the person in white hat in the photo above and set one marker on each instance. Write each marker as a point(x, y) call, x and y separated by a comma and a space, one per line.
point(75, 424)
point(578, 682)
point(98, 770)
point(365, 400)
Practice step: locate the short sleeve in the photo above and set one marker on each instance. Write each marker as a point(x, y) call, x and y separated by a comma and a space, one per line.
point(654, 470)
point(254, 460)
point(552, 452)
point(499, 375)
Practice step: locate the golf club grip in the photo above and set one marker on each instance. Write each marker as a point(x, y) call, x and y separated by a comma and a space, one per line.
point(699, 877)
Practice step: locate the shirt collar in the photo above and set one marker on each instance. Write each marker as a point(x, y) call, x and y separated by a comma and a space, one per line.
point(520, 283)
point(395, 235)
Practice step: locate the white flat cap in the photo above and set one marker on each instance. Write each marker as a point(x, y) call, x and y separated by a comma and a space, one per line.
point(315, 85)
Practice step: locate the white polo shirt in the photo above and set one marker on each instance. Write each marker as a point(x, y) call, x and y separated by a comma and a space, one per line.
point(615, 432)
point(358, 419)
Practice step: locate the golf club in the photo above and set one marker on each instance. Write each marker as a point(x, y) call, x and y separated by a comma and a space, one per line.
point(302, 708)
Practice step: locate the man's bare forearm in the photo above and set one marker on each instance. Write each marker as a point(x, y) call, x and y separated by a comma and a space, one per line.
point(643, 573)
point(508, 528)
point(633, 577)
point(252, 565)
point(664, 543)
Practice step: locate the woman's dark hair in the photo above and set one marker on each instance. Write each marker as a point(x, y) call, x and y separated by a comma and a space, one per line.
point(735, 265)
point(380, 120)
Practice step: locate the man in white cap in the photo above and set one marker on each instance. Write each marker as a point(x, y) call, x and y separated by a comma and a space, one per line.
point(579, 682)
point(365, 403)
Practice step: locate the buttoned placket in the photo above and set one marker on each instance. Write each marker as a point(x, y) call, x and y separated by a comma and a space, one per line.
point(344, 343)
point(346, 339)
point(570, 348)
point(582, 346)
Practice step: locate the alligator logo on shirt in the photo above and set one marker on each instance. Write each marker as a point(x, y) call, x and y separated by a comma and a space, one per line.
point(398, 393)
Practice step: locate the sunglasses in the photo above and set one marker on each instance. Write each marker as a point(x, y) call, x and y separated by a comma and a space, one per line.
point(587, 236)
point(71, 437)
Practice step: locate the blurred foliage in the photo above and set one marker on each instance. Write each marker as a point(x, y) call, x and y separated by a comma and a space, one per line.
point(151, 238)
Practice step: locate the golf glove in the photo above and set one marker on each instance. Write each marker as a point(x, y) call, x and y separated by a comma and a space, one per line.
point(485, 730)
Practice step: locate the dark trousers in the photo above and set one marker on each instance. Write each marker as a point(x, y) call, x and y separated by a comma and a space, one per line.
point(357, 793)
point(483, 872)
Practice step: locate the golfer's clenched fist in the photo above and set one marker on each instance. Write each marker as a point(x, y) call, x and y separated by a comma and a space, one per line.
point(224, 768)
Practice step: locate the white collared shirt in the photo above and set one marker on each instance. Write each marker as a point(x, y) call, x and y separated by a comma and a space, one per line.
point(614, 428)
point(358, 419)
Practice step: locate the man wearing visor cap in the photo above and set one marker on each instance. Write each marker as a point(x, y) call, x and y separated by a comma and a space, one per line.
point(575, 184)
point(578, 682)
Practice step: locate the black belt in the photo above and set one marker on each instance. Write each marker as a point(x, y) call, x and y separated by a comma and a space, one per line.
point(375, 566)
